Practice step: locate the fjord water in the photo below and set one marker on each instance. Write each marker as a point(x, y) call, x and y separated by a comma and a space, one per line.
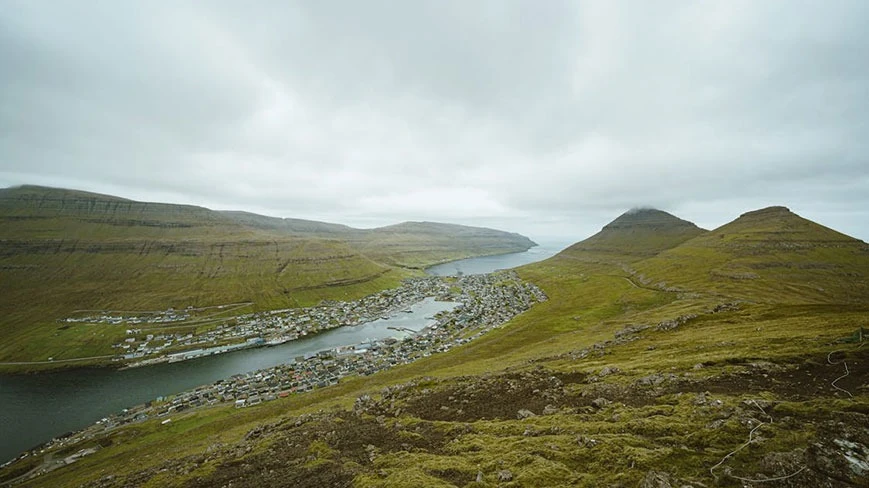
point(487, 264)
point(35, 408)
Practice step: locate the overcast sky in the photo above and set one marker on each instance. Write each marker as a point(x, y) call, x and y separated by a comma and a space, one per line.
point(542, 117)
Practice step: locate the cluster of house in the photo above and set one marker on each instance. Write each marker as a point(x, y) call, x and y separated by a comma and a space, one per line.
point(163, 317)
point(487, 302)
point(275, 326)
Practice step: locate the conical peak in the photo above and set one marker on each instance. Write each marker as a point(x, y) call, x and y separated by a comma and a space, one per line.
point(768, 218)
point(781, 226)
point(639, 232)
point(768, 212)
point(647, 217)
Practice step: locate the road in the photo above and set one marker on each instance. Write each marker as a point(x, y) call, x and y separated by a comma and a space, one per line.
point(54, 361)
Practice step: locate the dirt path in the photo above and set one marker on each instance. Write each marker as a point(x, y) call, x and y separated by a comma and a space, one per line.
point(631, 282)
point(54, 361)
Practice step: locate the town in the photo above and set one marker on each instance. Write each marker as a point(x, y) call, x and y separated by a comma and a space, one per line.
point(486, 302)
point(146, 346)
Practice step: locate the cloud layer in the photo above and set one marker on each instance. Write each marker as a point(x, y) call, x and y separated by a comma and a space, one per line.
point(547, 118)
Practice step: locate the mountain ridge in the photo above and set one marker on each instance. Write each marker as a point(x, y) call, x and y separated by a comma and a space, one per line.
point(56, 199)
point(765, 249)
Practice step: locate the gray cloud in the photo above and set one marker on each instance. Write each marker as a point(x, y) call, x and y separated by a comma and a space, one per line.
point(548, 118)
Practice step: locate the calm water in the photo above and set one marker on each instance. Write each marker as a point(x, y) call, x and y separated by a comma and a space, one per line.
point(36, 408)
point(488, 264)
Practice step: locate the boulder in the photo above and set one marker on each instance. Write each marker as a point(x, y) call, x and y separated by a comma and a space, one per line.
point(525, 414)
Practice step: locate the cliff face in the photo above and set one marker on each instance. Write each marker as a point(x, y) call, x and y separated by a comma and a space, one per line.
point(25, 203)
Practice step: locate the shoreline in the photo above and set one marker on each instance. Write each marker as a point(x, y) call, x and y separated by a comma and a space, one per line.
point(329, 365)
point(117, 362)
point(439, 263)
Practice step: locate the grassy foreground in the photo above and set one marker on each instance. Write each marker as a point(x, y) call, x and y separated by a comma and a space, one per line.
point(617, 380)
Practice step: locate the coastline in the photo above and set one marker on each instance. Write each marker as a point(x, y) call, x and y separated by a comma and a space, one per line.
point(119, 362)
point(316, 370)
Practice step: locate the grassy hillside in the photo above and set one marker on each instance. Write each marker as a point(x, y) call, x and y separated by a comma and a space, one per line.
point(417, 244)
point(413, 245)
point(611, 382)
point(636, 234)
point(299, 227)
point(64, 250)
point(768, 249)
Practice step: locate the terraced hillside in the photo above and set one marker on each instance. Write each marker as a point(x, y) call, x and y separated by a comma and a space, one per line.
point(416, 244)
point(413, 245)
point(64, 250)
point(619, 379)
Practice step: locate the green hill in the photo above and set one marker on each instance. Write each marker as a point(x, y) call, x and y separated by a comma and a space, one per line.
point(417, 244)
point(635, 234)
point(768, 255)
point(299, 227)
point(644, 368)
point(409, 244)
point(65, 250)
